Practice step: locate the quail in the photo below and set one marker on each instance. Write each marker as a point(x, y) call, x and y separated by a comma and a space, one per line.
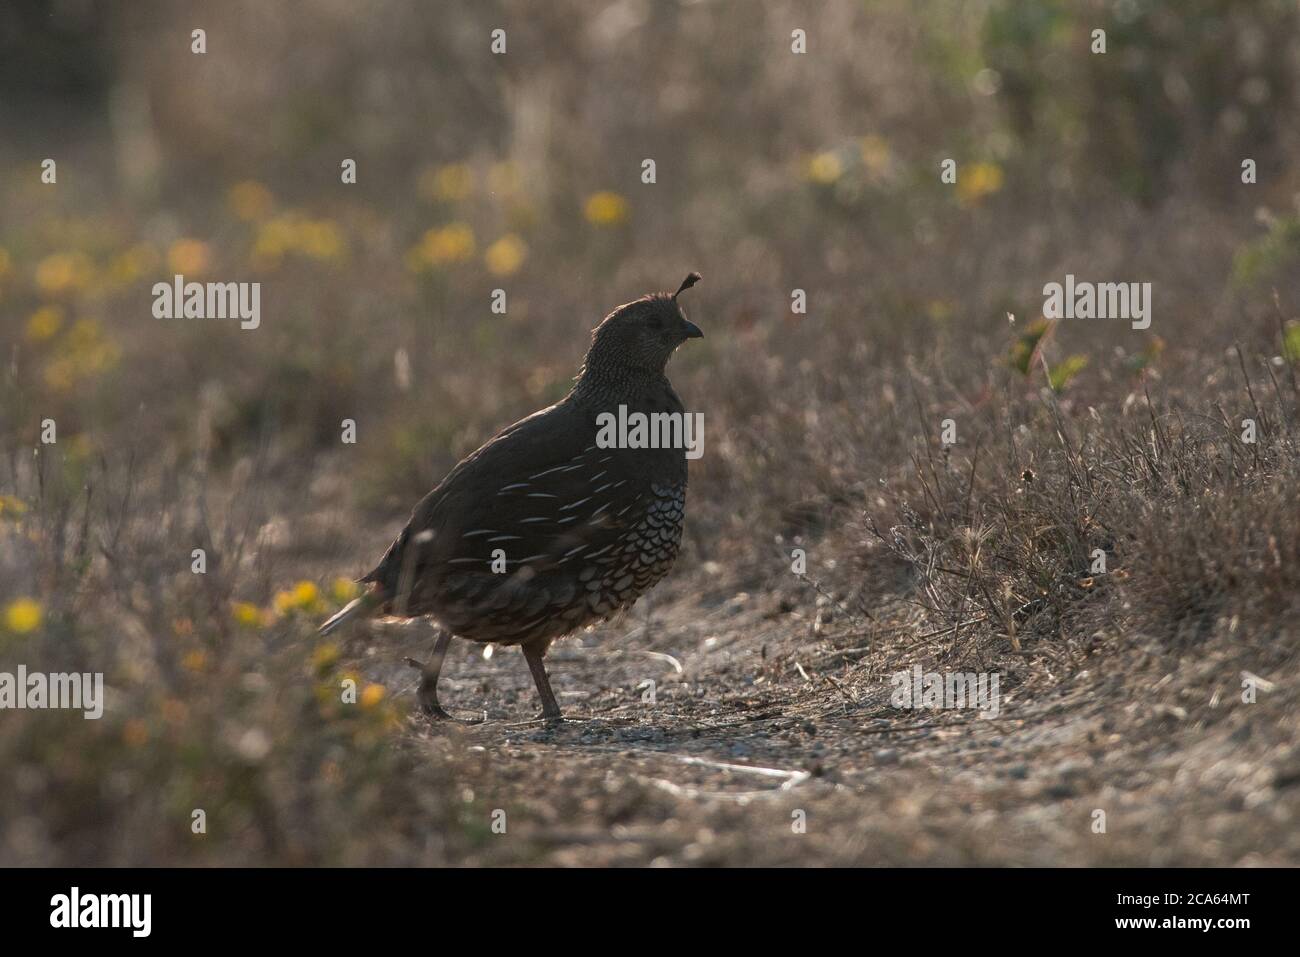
point(548, 527)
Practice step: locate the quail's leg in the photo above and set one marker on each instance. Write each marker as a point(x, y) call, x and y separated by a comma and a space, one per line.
point(427, 693)
point(550, 710)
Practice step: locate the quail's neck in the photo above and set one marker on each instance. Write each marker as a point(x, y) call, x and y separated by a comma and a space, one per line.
point(612, 382)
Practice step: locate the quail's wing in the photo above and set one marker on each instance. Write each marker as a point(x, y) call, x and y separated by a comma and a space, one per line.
point(540, 492)
point(539, 499)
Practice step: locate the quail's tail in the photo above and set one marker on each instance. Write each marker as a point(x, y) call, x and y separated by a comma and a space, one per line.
point(356, 608)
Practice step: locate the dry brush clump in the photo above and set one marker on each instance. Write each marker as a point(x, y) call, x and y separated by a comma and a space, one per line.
point(1137, 510)
point(777, 173)
point(228, 735)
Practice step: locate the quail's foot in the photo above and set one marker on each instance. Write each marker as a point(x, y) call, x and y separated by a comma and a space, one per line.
point(427, 697)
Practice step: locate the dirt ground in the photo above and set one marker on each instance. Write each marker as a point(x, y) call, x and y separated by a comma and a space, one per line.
point(772, 740)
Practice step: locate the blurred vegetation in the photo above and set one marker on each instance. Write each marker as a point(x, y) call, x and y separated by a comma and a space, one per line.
point(521, 172)
point(1183, 93)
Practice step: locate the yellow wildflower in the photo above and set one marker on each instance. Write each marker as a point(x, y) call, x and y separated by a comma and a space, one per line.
point(59, 273)
point(371, 695)
point(344, 589)
point(605, 209)
point(250, 200)
point(875, 154)
point(83, 352)
point(324, 656)
point(449, 244)
point(977, 181)
point(825, 168)
point(246, 613)
point(320, 239)
point(189, 257)
point(506, 255)
point(133, 263)
point(13, 507)
point(303, 595)
point(22, 615)
point(44, 323)
point(451, 183)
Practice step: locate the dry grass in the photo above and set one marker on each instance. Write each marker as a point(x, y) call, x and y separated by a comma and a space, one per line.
point(822, 432)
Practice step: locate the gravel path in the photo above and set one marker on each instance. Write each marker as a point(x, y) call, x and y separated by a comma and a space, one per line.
point(772, 740)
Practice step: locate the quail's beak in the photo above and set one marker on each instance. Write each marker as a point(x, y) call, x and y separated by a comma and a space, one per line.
point(693, 331)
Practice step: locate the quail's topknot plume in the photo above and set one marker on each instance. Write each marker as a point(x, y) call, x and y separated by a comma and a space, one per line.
point(584, 530)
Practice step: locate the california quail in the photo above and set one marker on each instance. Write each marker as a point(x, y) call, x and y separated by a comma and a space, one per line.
point(545, 529)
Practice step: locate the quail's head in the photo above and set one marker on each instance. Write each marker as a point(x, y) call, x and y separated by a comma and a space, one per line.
point(644, 333)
